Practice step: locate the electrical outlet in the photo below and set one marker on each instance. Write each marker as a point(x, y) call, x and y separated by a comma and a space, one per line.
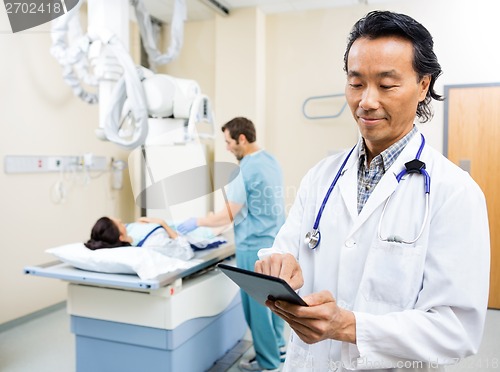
point(54, 163)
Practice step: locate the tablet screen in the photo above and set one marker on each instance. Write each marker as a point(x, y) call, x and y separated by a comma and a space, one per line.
point(262, 287)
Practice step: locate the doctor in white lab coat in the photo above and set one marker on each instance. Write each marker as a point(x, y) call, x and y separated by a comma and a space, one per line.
point(376, 304)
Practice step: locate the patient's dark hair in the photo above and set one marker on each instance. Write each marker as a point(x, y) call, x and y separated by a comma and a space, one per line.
point(105, 234)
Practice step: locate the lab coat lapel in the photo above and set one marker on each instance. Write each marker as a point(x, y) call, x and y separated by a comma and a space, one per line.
point(387, 184)
point(348, 184)
point(382, 191)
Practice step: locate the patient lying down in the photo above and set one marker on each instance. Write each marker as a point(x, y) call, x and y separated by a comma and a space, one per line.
point(147, 232)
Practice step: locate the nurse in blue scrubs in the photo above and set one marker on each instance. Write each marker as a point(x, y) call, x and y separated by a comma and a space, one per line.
point(255, 201)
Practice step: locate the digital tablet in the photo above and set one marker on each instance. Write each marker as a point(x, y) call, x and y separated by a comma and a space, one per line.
point(262, 287)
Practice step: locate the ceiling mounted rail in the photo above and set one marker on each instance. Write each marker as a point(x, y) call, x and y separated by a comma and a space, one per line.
point(216, 6)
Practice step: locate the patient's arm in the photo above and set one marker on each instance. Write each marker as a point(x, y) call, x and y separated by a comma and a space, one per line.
point(171, 233)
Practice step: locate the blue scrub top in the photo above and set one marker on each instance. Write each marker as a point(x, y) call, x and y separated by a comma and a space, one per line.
point(259, 187)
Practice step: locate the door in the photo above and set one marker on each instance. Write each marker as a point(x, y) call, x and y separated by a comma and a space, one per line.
point(471, 138)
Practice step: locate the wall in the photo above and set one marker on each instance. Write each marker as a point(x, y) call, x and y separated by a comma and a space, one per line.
point(196, 59)
point(40, 116)
point(231, 50)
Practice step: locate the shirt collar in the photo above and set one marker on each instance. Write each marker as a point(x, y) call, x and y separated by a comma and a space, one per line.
point(390, 154)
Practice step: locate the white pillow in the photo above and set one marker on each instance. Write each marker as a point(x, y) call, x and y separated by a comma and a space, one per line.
point(146, 263)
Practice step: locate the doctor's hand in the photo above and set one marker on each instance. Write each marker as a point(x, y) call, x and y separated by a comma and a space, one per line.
point(283, 266)
point(188, 226)
point(319, 321)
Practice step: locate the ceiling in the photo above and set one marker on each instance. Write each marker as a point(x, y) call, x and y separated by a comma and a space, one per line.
point(202, 9)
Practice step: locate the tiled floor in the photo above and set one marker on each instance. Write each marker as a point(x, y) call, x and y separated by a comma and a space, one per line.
point(45, 344)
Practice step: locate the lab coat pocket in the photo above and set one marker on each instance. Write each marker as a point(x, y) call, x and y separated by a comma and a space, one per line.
point(393, 274)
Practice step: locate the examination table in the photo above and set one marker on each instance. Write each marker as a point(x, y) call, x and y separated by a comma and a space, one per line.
point(182, 321)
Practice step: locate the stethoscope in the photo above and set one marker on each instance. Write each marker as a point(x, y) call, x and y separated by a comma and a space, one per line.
point(313, 237)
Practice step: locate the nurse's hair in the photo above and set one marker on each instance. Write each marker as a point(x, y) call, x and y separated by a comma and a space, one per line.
point(384, 23)
point(240, 125)
point(105, 234)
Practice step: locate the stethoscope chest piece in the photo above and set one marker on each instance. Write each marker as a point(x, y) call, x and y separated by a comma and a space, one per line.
point(312, 238)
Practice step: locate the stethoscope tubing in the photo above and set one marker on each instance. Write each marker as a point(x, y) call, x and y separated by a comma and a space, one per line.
point(327, 196)
point(398, 239)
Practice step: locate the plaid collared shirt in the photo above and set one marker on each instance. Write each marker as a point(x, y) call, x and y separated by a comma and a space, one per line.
point(368, 176)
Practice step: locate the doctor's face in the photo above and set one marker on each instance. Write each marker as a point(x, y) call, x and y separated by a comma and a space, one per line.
point(383, 90)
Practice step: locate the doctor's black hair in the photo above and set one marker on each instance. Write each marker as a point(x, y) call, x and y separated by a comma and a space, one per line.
point(384, 23)
point(240, 125)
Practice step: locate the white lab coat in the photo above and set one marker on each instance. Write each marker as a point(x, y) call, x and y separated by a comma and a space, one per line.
point(423, 302)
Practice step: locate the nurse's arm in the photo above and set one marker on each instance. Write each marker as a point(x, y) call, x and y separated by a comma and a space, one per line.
point(223, 217)
point(319, 321)
point(283, 266)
